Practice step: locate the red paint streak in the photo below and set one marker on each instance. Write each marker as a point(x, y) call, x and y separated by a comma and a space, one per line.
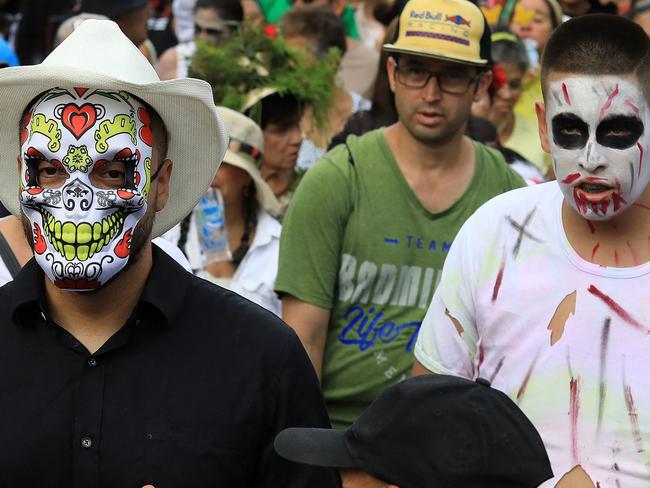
point(616, 308)
point(580, 203)
point(571, 178)
point(618, 200)
point(608, 103)
point(617, 183)
point(638, 144)
point(632, 106)
point(574, 412)
point(481, 356)
point(635, 255)
point(499, 280)
point(617, 260)
point(595, 207)
point(565, 92)
point(123, 247)
point(594, 250)
point(634, 418)
point(524, 384)
point(597, 484)
point(594, 179)
point(592, 227)
point(604, 205)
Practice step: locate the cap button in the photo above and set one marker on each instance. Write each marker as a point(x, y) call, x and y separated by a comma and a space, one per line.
point(483, 381)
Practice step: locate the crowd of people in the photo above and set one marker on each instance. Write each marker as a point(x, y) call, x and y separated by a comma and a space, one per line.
point(426, 220)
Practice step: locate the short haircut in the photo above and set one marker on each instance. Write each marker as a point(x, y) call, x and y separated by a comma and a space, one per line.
point(507, 48)
point(229, 10)
point(282, 110)
point(599, 44)
point(317, 23)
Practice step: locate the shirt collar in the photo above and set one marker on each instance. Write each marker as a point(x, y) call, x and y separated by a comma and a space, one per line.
point(28, 288)
point(166, 285)
point(267, 229)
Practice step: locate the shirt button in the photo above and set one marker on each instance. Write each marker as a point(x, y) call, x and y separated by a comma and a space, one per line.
point(92, 362)
point(86, 442)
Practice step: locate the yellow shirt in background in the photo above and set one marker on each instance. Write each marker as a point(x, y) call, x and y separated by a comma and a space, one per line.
point(525, 140)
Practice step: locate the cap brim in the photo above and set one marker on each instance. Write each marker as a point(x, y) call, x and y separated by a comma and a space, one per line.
point(316, 447)
point(391, 48)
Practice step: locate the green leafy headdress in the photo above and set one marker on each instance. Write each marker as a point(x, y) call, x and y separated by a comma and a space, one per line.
point(251, 60)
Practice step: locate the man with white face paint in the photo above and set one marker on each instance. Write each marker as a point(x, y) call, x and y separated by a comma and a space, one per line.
point(544, 291)
point(117, 367)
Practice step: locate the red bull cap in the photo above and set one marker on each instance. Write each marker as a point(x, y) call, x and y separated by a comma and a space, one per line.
point(445, 29)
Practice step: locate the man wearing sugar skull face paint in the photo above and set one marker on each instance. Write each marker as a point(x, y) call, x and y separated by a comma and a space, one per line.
point(117, 367)
point(545, 289)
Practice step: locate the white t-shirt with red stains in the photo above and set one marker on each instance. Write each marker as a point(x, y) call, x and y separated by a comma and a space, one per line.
point(565, 338)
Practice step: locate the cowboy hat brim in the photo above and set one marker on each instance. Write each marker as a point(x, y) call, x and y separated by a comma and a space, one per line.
point(98, 55)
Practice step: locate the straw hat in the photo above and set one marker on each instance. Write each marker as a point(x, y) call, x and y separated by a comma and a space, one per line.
point(98, 55)
point(245, 152)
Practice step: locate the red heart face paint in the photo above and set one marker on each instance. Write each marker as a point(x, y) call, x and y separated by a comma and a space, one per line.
point(86, 161)
point(598, 126)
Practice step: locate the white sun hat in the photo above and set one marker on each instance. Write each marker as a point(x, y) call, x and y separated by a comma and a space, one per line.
point(98, 55)
point(245, 151)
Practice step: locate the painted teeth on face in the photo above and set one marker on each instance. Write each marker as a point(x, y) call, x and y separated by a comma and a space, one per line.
point(83, 240)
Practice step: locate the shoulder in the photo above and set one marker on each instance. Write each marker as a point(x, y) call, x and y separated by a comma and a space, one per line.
point(515, 203)
point(167, 64)
point(496, 168)
point(234, 319)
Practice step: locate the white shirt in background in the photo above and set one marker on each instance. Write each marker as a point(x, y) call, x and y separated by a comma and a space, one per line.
point(255, 276)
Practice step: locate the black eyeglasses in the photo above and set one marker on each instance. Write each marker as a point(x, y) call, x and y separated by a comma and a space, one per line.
point(455, 82)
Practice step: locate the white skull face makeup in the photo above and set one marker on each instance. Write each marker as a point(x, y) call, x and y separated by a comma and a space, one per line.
point(85, 177)
point(599, 143)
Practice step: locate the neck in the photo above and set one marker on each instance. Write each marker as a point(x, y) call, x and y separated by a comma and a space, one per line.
point(234, 213)
point(93, 317)
point(504, 124)
point(409, 150)
point(278, 179)
point(622, 241)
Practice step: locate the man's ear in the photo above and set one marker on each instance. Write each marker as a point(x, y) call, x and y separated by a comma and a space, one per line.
point(483, 85)
point(162, 187)
point(390, 70)
point(540, 110)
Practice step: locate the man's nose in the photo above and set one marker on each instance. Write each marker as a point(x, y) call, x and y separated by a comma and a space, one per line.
point(592, 161)
point(431, 90)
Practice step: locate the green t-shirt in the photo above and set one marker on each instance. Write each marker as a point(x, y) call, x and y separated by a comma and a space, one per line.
point(358, 241)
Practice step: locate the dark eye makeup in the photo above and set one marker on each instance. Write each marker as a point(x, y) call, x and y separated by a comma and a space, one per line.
point(569, 131)
point(619, 131)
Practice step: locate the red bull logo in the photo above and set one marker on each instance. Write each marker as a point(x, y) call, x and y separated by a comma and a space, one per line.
point(458, 20)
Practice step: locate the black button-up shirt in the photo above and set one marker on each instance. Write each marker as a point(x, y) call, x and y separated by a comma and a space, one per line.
point(190, 392)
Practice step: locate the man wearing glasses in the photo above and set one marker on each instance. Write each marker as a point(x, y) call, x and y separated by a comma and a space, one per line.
point(368, 230)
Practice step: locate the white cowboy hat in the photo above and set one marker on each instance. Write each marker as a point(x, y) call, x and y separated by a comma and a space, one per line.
point(245, 152)
point(98, 55)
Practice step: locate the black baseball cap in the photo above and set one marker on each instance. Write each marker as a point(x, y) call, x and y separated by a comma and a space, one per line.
point(432, 431)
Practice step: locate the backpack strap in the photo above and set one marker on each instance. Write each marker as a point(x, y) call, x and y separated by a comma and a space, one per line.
point(350, 157)
point(8, 257)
